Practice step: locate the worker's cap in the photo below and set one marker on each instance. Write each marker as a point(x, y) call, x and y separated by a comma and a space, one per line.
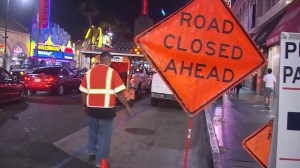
point(106, 54)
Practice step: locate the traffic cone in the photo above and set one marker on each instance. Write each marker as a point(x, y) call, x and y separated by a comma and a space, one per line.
point(104, 163)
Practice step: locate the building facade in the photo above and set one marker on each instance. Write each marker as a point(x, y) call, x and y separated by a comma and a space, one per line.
point(17, 43)
point(54, 46)
point(264, 20)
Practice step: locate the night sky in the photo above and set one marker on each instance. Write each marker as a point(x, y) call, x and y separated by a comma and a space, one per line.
point(66, 12)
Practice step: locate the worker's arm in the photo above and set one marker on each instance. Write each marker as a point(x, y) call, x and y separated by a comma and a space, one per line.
point(122, 99)
point(83, 101)
point(83, 98)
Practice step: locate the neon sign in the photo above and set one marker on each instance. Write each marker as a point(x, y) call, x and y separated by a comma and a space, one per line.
point(95, 36)
point(45, 13)
point(49, 47)
point(145, 7)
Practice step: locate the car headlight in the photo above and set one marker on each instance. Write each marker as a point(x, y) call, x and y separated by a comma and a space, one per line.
point(21, 73)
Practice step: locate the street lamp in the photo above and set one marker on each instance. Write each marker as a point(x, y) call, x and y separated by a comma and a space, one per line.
point(5, 35)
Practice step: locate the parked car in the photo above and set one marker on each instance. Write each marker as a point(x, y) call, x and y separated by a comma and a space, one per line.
point(11, 89)
point(78, 71)
point(141, 80)
point(21, 70)
point(56, 80)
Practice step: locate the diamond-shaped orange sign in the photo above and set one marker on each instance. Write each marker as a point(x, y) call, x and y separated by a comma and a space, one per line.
point(200, 51)
point(258, 144)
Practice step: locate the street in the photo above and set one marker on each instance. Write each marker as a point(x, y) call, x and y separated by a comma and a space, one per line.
point(50, 131)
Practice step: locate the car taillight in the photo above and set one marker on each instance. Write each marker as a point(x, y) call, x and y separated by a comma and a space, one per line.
point(51, 79)
point(26, 78)
point(133, 79)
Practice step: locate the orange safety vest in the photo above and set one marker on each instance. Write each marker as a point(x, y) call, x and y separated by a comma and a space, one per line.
point(101, 83)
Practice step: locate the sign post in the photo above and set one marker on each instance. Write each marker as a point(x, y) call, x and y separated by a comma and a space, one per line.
point(200, 52)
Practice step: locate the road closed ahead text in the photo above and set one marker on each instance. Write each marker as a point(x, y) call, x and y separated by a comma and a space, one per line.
point(203, 48)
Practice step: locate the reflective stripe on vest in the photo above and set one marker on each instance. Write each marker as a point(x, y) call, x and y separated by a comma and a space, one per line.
point(108, 87)
point(88, 86)
point(107, 91)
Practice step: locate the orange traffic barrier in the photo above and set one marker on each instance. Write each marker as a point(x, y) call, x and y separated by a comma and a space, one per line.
point(104, 163)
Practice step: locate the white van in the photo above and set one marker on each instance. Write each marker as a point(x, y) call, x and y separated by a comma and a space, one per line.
point(159, 90)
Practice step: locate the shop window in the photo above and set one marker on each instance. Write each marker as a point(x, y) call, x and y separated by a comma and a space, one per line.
point(273, 59)
point(252, 16)
point(18, 52)
point(259, 8)
point(18, 55)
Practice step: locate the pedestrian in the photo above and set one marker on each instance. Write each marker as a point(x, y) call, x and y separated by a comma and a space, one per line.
point(270, 82)
point(237, 89)
point(100, 88)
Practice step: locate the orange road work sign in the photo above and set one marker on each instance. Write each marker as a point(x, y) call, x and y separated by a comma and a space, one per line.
point(200, 51)
point(258, 144)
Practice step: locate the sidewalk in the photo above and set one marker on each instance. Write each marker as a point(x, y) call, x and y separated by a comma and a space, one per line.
point(241, 117)
point(153, 137)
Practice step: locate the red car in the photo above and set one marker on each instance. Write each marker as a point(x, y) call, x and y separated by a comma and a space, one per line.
point(56, 80)
point(11, 89)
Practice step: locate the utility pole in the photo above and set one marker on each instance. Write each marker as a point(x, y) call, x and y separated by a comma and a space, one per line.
point(5, 36)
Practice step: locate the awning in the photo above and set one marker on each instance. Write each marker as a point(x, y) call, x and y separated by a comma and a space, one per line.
point(265, 30)
point(288, 23)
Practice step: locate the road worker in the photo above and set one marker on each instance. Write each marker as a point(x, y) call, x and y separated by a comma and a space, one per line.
point(100, 88)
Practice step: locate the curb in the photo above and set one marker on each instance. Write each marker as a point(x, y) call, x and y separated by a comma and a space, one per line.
point(215, 151)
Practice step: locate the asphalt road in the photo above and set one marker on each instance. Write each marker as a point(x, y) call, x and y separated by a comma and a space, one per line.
point(29, 130)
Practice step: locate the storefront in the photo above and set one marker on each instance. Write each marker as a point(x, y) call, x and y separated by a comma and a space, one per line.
point(268, 38)
point(290, 22)
point(17, 44)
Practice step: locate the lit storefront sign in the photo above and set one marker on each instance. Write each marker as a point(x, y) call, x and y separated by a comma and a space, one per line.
point(45, 13)
point(69, 57)
point(97, 38)
point(49, 47)
point(49, 54)
point(95, 35)
point(49, 50)
point(107, 40)
point(117, 59)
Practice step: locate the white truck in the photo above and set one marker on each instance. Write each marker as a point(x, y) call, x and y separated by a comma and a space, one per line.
point(159, 90)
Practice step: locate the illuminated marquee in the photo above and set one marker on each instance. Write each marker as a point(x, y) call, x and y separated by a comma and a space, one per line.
point(49, 50)
point(49, 47)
